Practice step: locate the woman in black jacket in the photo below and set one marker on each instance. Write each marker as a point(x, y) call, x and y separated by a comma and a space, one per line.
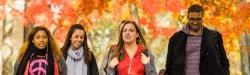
point(79, 59)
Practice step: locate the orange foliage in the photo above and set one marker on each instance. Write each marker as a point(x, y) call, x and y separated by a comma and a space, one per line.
point(2, 2)
point(122, 2)
point(57, 13)
point(152, 7)
point(86, 7)
point(222, 14)
point(39, 14)
point(173, 5)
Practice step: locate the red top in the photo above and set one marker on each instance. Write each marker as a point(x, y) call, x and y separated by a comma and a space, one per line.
point(135, 65)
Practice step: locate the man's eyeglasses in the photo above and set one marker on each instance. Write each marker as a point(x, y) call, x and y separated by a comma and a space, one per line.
point(195, 19)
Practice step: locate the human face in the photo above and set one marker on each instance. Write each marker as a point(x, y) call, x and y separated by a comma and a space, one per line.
point(129, 33)
point(77, 38)
point(195, 21)
point(40, 39)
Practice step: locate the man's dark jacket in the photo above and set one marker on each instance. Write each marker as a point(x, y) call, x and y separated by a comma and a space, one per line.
point(213, 59)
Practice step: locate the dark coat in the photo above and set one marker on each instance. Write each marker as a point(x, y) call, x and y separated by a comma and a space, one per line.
point(92, 66)
point(213, 59)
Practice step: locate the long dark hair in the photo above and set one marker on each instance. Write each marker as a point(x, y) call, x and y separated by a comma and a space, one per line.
point(27, 50)
point(118, 51)
point(55, 49)
point(67, 43)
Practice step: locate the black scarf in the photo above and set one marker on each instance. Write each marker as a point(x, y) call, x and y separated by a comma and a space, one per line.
point(31, 52)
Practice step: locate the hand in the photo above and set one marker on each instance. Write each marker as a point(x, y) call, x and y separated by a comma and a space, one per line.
point(113, 62)
point(145, 59)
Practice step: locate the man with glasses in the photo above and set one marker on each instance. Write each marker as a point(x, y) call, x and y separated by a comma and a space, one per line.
point(196, 50)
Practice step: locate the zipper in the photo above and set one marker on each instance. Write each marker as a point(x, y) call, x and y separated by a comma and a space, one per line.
point(130, 63)
point(129, 68)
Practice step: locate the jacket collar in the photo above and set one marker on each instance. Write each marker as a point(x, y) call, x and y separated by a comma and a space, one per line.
point(187, 30)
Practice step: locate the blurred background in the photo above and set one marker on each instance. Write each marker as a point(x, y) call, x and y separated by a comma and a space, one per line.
point(159, 19)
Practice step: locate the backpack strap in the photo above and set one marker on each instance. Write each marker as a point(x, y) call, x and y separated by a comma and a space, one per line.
point(111, 49)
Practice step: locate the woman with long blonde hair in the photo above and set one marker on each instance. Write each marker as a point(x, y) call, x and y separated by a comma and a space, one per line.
point(40, 55)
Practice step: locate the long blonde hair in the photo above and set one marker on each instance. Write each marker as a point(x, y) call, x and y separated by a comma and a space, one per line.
point(57, 55)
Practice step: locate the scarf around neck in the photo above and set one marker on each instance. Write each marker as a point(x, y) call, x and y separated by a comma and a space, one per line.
point(30, 53)
point(75, 62)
